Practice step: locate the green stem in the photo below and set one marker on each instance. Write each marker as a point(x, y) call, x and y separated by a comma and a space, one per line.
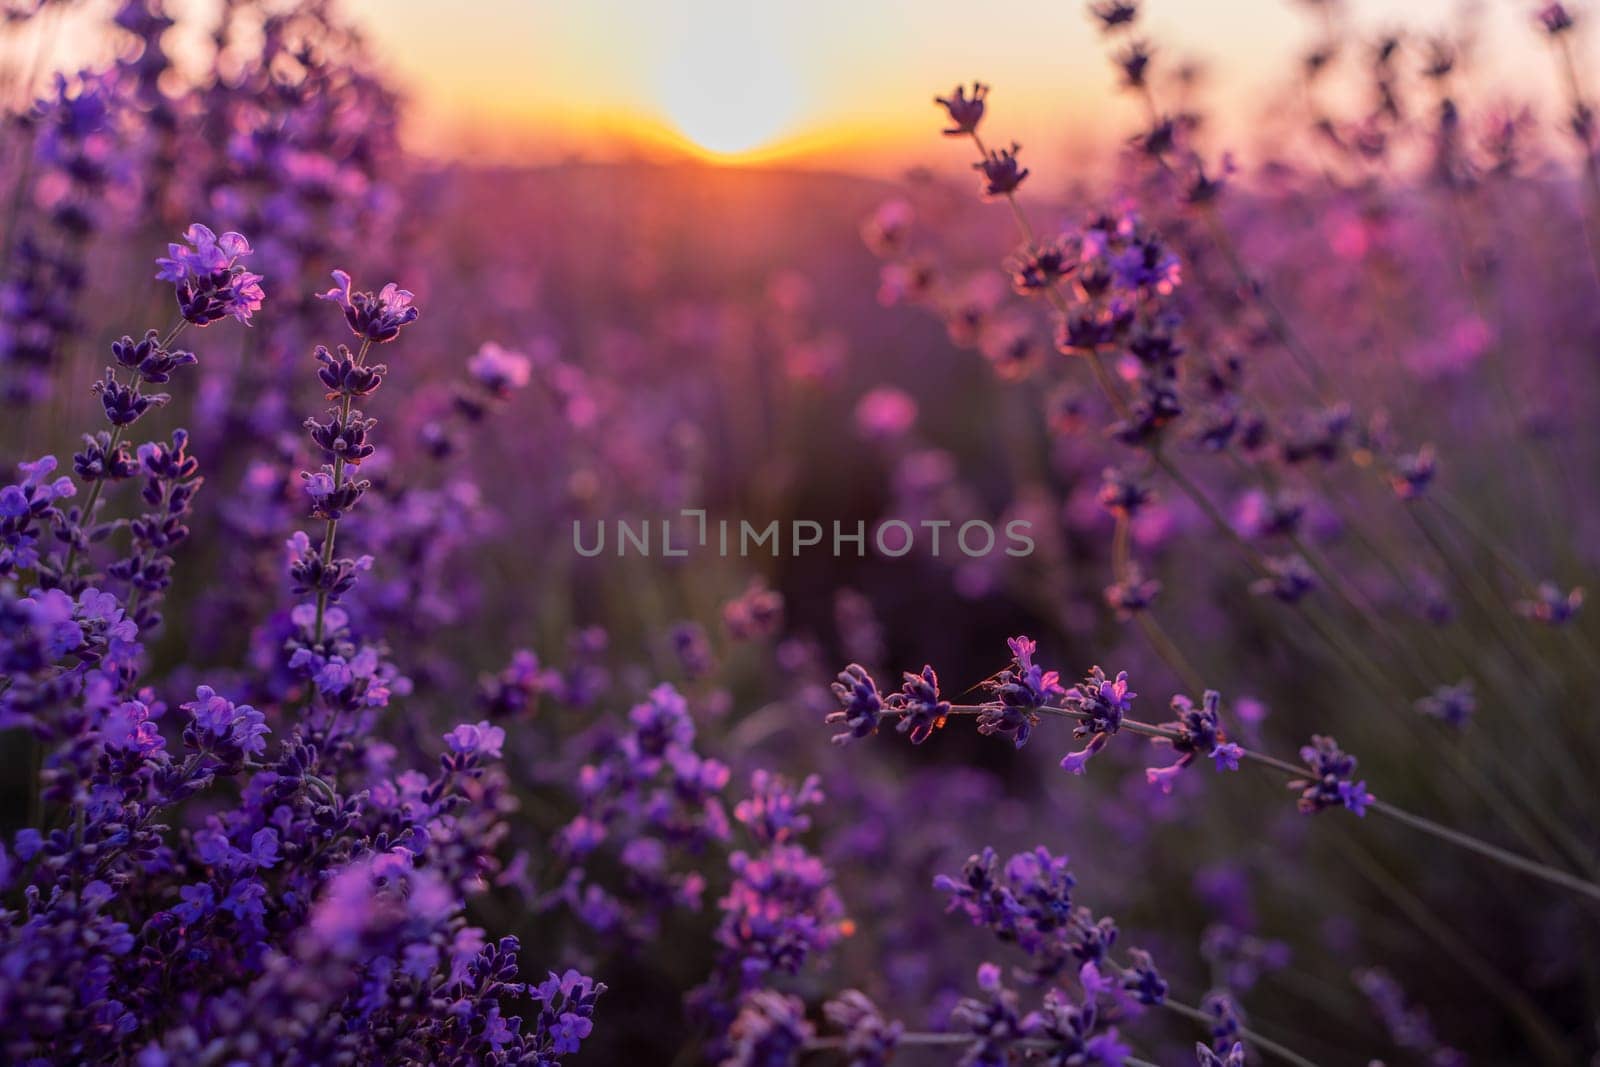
point(330, 531)
point(93, 498)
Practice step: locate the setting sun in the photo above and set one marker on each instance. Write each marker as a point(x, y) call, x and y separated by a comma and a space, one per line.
point(726, 83)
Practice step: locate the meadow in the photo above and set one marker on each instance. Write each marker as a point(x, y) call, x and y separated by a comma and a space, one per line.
point(324, 743)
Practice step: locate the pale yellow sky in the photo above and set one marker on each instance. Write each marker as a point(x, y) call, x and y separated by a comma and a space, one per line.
point(847, 80)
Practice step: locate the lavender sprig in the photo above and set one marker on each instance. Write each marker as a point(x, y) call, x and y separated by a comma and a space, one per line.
point(1324, 780)
point(375, 319)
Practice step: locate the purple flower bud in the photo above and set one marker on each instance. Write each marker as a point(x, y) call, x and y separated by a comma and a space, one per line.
point(965, 112)
point(1002, 174)
point(377, 318)
point(1330, 784)
point(861, 705)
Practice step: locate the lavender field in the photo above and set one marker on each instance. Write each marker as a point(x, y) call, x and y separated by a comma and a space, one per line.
point(1018, 606)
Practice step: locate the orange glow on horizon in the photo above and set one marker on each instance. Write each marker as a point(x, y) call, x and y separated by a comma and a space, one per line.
point(784, 149)
point(635, 135)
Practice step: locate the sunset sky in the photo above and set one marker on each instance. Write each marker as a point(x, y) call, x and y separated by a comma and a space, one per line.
point(847, 84)
point(843, 83)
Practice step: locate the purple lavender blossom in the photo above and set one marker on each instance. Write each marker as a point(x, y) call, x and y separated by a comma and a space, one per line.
point(1414, 472)
point(1114, 14)
point(375, 318)
point(1132, 594)
point(1028, 903)
point(1332, 783)
point(221, 728)
point(1452, 705)
point(1143, 980)
point(1550, 605)
point(1019, 691)
point(27, 509)
point(1039, 269)
point(1233, 1057)
point(206, 278)
point(148, 358)
point(516, 688)
point(870, 1039)
point(1002, 174)
point(965, 112)
point(754, 615)
point(1198, 733)
point(995, 1021)
point(771, 1029)
point(345, 376)
point(1408, 1024)
point(781, 910)
point(861, 706)
point(1122, 493)
point(920, 707)
point(1555, 18)
point(1102, 702)
point(1288, 578)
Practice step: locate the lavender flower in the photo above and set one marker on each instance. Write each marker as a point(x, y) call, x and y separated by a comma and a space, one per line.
point(861, 706)
point(1414, 472)
point(1288, 578)
point(27, 509)
point(206, 278)
point(515, 690)
point(919, 705)
point(1123, 494)
point(1132, 594)
point(1143, 980)
point(345, 376)
point(72, 166)
point(1198, 733)
point(480, 741)
point(781, 909)
point(148, 358)
point(1039, 269)
point(870, 1039)
point(375, 318)
point(995, 1021)
point(1408, 1024)
point(1019, 691)
point(1002, 174)
point(1134, 63)
point(1555, 18)
point(1233, 1057)
point(965, 112)
point(692, 647)
point(1450, 704)
point(771, 1029)
point(1028, 902)
point(1113, 14)
point(647, 791)
point(1550, 605)
point(222, 729)
point(1102, 703)
point(1331, 784)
